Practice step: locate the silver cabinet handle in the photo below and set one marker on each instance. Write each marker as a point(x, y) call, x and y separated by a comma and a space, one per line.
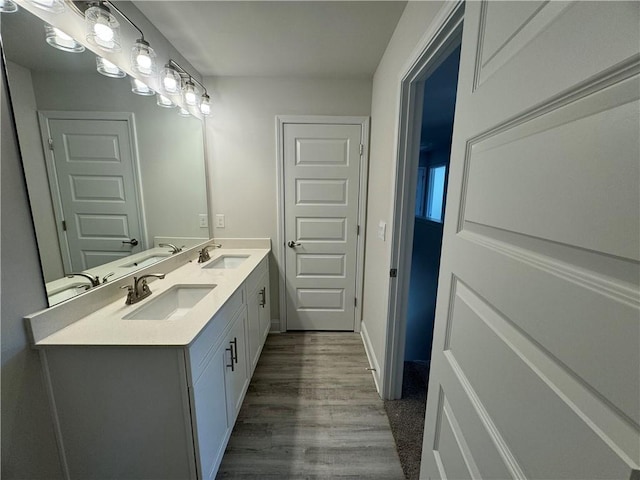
point(133, 242)
point(263, 294)
point(293, 244)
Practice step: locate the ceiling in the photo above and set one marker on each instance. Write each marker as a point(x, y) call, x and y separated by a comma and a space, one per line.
point(325, 39)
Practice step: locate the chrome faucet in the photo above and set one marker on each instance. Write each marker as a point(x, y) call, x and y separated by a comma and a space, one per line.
point(204, 253)
point(140, 289)
point(95, 281)
point(173, 248)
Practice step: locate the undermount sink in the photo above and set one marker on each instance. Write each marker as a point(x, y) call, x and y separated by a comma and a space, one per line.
point(146, 261)
point(67, 292)
point(172, 304)
point(227, 261)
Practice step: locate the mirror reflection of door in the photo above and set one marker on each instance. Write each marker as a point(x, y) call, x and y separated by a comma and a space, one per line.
point(92, 168)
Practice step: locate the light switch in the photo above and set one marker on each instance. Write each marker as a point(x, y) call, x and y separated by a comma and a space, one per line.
point(382, 229)
point(219, 220)
point(204, 223)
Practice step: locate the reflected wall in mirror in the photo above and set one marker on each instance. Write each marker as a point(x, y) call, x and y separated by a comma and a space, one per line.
point(110, 174)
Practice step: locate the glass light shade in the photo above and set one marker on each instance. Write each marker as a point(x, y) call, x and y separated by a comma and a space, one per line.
point(189, 93)
point(184, 113)
point(163, 101)
point(8, 6)
point(143, 58)
point(170, 80)
point(108, 69)
point(205, 105)
point(141, 88)
point(54, 6)
point(103, 30)
point(60, 40)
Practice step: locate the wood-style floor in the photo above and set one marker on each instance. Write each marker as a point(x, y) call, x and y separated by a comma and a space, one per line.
point(312, 412)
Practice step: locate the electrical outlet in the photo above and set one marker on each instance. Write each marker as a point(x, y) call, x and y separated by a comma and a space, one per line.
point(204, 222)
point(219, 220)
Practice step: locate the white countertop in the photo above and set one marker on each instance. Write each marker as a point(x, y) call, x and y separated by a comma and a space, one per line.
point(106, 327)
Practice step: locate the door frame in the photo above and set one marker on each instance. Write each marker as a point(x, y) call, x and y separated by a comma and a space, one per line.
point(439, 41)
point(281, 121)
point(44, 116)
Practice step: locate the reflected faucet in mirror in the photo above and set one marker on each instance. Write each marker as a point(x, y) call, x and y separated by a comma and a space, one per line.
point(100, 170)
point(173, 248)
point(94, 281)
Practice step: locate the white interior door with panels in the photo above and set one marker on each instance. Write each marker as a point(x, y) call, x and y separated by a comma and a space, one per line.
point(93, 176)
point(536, 355)
point(322, 173)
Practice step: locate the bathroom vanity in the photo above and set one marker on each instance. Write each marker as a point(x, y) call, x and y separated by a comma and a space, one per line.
point(152, 390)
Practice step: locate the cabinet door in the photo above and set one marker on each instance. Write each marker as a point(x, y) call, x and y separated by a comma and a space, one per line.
point(254, 328)
point(210, 422)
point(235, 365)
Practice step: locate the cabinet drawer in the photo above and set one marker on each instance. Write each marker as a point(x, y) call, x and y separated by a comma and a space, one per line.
point(211, 335)
point(254, 279)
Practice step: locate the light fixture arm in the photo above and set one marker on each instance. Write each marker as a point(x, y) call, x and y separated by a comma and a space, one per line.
point(111, 5)
point(184, 73)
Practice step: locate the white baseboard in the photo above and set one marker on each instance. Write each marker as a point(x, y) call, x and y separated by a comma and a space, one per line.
point(275, 325)
point(371, 356)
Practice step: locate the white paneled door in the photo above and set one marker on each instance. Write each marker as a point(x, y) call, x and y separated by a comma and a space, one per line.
point(322, 164)
point(94, 182)
point(535, 371)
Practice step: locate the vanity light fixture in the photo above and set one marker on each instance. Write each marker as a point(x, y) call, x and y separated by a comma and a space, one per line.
point(205, 105)
point(173, 75)
point(171, 80)
point(141, 88)
point(53, 6)
point(143, 58)
point(8, 6)
point(102, 28)
point(60, 40)
point(189, 93)
point(163, 101)
point(108, 69)
point(183, 112)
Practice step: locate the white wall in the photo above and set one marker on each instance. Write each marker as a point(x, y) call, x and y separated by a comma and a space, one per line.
point(241, 142)
point(413, 24)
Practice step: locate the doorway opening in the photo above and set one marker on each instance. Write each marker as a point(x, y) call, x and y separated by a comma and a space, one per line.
point(430, 173)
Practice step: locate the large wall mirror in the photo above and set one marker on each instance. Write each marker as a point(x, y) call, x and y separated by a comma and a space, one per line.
point(110, 174)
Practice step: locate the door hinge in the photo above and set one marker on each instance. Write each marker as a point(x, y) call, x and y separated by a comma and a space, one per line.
point(50, 144)
point(361, 149)
point(393, 273)
point(357, 229)
point(355, 302)
point(64, 225)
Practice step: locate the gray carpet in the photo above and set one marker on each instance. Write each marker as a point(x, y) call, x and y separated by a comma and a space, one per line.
point(406, 417)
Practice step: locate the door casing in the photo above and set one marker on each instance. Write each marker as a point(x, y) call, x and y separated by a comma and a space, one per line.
point(443, 37)
point(281, 121)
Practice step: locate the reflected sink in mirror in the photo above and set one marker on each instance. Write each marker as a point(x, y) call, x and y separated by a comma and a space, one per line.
point(146, 261)
point(227, 261)
point(172, 304)
point(69, 291)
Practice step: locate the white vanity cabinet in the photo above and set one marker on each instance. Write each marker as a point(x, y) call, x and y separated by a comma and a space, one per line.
point(158, 412)
point(259, 313)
